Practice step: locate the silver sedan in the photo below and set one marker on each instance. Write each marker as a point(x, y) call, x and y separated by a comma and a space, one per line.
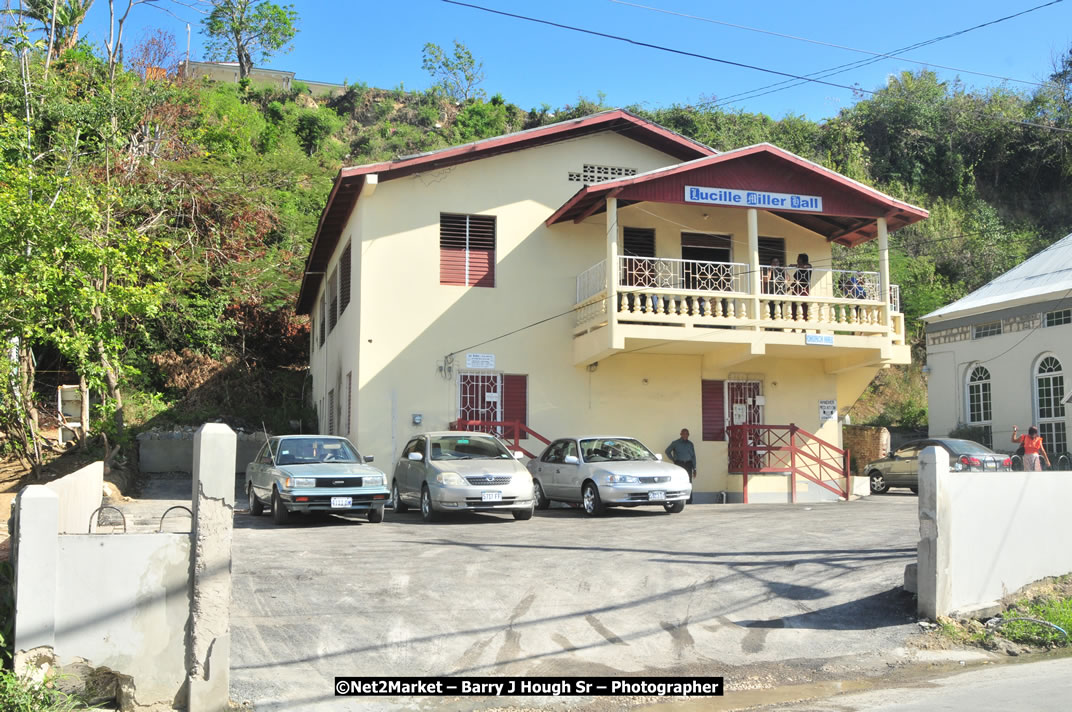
point(601, 472)
point(459, 471)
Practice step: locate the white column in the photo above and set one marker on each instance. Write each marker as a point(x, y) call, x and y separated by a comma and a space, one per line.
point(209, 651)
point(37, 511)
point(884, 269)
point(754, 280)
point(612, 267)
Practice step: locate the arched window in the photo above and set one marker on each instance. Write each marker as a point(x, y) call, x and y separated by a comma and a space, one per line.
point(1049, 410)
point(979, 409)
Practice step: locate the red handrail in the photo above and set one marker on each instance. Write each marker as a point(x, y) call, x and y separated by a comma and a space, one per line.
point(487, 426)
point(753, 447)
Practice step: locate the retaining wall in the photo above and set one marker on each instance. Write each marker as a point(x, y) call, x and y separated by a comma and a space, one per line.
point(173, 450)
point(866, 443)
point(985, 535)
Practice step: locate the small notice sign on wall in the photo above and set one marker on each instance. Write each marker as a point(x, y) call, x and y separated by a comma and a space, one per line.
point(827, 410)
point(480, 360)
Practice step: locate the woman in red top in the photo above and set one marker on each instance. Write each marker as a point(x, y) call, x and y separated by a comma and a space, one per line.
point(1033, 448)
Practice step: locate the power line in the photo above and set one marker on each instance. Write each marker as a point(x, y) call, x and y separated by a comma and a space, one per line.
point(880, 55)
point(661, 48)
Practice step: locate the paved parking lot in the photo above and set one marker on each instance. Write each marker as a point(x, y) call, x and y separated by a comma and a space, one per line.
point(717, 590)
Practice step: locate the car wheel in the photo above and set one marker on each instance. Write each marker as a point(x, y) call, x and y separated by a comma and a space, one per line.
point(593, 505)
point(878, 483)
point(280, 514)
point(675, 507)
point(538, 494)
point(256, 507)
point(523, 514)
point(396, 502)
point(428, 513)
point(375, 515)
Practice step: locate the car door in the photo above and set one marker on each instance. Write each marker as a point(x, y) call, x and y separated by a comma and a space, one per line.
point(546, 465)
point(905, 470)
point(260, 476)
point(401, 475)
point(567, 474)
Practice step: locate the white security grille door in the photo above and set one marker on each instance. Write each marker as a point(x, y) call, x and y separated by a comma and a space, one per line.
point(480, 396)
point(743, 393)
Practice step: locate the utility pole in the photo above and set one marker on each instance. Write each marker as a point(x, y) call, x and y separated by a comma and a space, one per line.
point(186, 73)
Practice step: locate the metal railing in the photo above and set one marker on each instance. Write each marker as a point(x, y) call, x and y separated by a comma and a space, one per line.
point(510, 431)
point(759, 449)
point(687, 275)
point(592, 281)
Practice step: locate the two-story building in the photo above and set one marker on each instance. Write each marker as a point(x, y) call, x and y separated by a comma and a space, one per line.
point(996, 357)
point(605, 275)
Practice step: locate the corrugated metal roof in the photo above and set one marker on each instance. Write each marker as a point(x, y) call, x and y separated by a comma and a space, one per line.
point(1047, 274)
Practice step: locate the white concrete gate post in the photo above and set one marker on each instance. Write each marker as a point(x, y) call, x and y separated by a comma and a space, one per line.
point(209, 650)
point(933, 551)
point(36, 555)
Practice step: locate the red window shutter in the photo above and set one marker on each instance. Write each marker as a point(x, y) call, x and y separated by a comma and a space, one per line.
point(467, 249)
point(713, 405)
point(346, 267)
point(515, 402)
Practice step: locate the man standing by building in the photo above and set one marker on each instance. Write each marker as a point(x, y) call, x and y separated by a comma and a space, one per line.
point(682, 453)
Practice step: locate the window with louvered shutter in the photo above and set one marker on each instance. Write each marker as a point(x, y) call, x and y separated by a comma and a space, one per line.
point(349, 402)
point(713, 399)
point(331, 412)
point(323, 317)
point(638, 242)
point(345, 268)
point(467, 250)
point(515, 403)
point(333, 299)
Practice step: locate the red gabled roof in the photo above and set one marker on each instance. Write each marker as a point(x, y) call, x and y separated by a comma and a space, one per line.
point(849, 207)
point(349, 182)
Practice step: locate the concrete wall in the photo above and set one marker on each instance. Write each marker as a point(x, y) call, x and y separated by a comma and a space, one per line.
point(148, 613)
point(983, 536)
point(173, 451)
point(80, 493)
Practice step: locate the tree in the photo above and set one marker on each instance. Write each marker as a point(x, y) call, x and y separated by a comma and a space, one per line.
point(457, 75)
point(69, 16)
point(248, 28)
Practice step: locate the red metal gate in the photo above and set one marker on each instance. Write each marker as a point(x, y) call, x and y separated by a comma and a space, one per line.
point(758, 449)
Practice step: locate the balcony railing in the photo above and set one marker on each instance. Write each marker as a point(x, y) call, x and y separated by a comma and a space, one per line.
point(666, 290)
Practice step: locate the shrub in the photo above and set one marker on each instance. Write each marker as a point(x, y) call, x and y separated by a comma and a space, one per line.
point(21, 694)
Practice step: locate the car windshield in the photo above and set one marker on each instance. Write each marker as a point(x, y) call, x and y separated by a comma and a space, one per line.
point(616, 449)
point(461, 447)
point(967, 447)
point(306, 451)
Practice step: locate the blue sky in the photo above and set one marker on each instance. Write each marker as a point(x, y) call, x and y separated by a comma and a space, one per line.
point(379, 43)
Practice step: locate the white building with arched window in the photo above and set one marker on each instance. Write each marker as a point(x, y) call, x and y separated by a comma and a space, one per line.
point(998, 357)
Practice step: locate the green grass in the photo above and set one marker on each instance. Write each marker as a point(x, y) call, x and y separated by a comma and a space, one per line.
point(1057, 611)
point(19, 694)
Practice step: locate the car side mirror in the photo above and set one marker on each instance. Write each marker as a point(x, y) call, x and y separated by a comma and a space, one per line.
point(416, 456)
point(658, 457)
point(572, 460)
point(369, 458)
point(518, 454)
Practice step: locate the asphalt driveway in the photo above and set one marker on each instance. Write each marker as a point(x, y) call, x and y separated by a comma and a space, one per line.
point(732, 590)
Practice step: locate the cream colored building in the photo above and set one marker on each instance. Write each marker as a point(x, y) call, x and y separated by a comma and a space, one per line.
point(997, 357)
point(227, 72)
point(604, 275)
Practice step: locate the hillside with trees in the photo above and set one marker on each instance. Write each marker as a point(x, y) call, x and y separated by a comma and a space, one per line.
point(153, 229)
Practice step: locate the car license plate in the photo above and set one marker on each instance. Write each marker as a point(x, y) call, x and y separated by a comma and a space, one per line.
point(656, 495)
point(491, 496)
point(342, 502)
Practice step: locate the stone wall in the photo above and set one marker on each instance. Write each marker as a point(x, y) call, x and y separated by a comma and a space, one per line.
point(865, 443)
point(173, 450)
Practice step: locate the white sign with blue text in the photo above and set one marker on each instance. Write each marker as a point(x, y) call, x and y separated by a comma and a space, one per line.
point(753, 199)
point(819, 339)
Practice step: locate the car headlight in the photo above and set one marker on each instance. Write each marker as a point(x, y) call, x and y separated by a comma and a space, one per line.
point(450, 479)
point(372, 481)
point(301, 482)
point(623, 479)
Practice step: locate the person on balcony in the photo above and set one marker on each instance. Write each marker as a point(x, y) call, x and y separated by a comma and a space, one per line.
point(774, 281)
point(1033, 449)
point(801, 285)
point(683, 454)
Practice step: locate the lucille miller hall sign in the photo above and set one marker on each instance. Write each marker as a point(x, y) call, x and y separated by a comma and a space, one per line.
point(752, 198)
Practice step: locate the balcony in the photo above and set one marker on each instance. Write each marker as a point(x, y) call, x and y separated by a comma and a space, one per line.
point(670, 300)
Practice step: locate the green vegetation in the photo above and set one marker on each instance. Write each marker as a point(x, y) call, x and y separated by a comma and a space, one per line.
point(1055, 610)
point(153, 231)
point(248, 30)
point(21, 694)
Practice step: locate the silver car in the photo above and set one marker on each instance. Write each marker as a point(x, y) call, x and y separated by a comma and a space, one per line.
point(458, 471)
point(601, 472)
point(314, 473)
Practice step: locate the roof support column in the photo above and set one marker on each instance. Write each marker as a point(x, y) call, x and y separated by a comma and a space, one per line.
point(884, 269)
point(753, 265)
point(612, 272)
